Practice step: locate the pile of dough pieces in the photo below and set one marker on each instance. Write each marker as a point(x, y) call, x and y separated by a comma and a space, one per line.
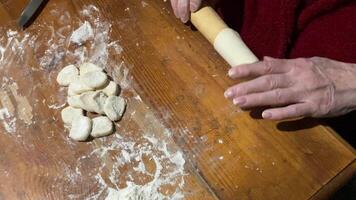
point(90, 90)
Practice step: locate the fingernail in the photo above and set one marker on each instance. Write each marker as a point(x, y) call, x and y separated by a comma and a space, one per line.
point(266, 115)
point(228, 94)
point(232, 73)
point(185, 19)
point(239, 101)
point(194, 6)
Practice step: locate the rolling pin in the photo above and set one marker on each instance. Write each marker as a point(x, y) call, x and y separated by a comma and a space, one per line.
point(227, 42)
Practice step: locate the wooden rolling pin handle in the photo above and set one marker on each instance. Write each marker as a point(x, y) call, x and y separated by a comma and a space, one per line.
point(226, 41)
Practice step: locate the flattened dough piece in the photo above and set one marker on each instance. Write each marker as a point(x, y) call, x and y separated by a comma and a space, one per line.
point(102, 126)
point(77, 87)
point(94, 79)
point(69, 113)
point(74, 101)
point(67, 75)
point(89, 67)
point(112, 89)
point(81, 128)
point(89, 101)
point(114, 107)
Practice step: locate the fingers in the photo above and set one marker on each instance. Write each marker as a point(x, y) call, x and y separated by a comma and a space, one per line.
point(183, 10)
point(194, 5)
point(174, 4)
point(260, 84)
point(292, 111)
point(267, 66)
point(270, 98)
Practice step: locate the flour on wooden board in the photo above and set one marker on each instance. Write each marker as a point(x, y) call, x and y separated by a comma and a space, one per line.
point(153, 169)
point(82, 34)
point(130, 153)
point(11, 110)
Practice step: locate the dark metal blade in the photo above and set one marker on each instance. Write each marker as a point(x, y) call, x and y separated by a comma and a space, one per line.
point(29, 11)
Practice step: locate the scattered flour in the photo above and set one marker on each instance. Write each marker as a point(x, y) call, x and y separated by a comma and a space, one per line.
point(56, 107)
point(131, 153)
point(82, 34)
point(24, 108)
point(144, 3)
point(9, 125)
point(143, 166)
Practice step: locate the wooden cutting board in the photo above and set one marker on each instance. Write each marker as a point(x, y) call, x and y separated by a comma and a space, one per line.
point(174, 83)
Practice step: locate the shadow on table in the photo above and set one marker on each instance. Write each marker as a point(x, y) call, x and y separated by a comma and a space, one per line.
point(344, 125)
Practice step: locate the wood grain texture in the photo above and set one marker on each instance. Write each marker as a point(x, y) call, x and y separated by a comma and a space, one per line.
point(230, 154)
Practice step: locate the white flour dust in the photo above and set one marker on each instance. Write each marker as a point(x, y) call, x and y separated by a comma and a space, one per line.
point(141, 167)
point(167, 170)
point(8, 121)
point(82, 34)
point(131, 164)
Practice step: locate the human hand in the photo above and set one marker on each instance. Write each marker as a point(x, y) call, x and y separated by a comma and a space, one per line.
point(182, 8)
point(315, 87)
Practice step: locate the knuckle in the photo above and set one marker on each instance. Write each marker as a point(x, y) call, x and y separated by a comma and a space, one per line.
point(271, 82)
point(238, 90)
point(268, 66)
point(278, 95)
point(295, 110)
point(303, 64)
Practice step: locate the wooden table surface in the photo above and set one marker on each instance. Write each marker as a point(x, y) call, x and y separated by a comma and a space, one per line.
point(173, 81)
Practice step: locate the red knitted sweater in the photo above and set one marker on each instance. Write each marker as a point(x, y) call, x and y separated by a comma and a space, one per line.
point(295, 28)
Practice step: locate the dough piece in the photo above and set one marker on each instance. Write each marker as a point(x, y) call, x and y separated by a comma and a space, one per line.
point(77, 87)
point(112, 89)
point(114, 107)
point(94, 79)
point(82, 34)
point(74, 101)
point(69, 113)
point(102, 126)
point(89, 101)
point(67, 75)
point(94, 101)
point(89, 67)
point(81, 128)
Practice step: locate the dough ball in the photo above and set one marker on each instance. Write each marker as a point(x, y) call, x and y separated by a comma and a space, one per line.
point(81, 128)
point(67, 75)
point(89, 67)
point(74, 101)
point(69, 113)
point(102, 126)
point(77, 87)
point(94, 79)
point(112, 89)
point(93, 101)
point(89, 101)
point(114, 107)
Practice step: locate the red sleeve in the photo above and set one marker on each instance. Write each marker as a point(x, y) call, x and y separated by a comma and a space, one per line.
point(295, 28)
point(331, 35)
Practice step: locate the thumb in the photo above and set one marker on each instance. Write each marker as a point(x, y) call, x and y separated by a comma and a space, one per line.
point(194, 5)
point(183, 10)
